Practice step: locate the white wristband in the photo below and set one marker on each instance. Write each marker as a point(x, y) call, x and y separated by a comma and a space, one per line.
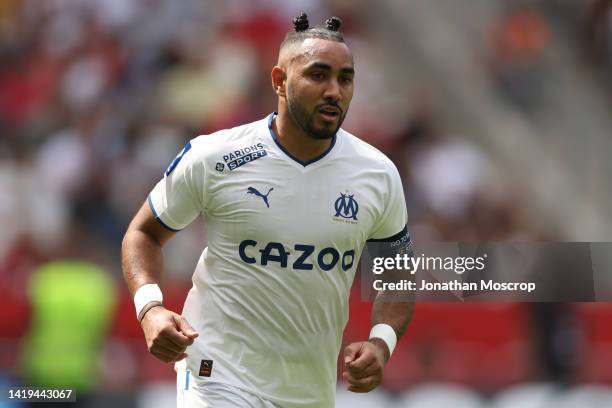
point(386, 333)
point(145, 294)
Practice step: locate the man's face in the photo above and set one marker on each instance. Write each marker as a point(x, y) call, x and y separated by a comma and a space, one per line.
point(320, 87)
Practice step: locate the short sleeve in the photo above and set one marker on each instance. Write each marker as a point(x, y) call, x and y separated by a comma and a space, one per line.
point(392, 222)
point(178, 197)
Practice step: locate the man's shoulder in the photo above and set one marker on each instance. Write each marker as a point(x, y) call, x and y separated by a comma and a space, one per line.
point(367, 154)
point(223, 140)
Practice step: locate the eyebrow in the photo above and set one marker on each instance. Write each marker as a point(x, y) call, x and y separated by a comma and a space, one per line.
point(326, 67)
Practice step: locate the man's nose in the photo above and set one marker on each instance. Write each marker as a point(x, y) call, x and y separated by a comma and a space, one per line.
point(332, 91)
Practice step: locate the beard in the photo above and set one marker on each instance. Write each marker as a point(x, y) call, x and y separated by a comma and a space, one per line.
point(305, 119)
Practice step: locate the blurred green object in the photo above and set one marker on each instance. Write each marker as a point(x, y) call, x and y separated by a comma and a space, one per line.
point(72, 304)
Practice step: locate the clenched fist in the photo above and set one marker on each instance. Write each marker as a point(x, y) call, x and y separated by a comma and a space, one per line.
point(364, 363)
point(167, 334)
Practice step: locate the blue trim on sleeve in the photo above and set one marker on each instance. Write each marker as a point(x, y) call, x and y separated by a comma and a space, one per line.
point(177, 159)
point(157, 216)
point(151, 206)
point(292, 157)
point(392, 238)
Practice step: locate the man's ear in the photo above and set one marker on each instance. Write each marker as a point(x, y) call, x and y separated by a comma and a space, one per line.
point(279, 80)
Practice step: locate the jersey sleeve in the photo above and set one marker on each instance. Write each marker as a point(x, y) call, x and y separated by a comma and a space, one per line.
point(178, 198)
point(391, 225)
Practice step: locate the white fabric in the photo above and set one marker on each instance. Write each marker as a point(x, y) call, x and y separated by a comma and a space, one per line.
point(585, 396)
point(531, 395)
point(441, 395)
point(270, 293)
point(376, 398)
point(386, 333)
point(191, 394)
point(145, 294)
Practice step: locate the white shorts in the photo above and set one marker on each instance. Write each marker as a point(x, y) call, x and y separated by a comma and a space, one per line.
point(190, 394)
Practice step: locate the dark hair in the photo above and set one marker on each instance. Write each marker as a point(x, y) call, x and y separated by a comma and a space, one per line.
point(302, 30)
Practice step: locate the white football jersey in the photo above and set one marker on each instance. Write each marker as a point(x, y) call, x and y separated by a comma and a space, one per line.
point(270, 292)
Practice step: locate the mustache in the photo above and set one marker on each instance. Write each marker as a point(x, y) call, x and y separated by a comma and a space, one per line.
point(329, 105)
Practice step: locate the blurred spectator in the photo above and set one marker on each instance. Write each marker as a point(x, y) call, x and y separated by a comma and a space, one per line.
point(518, 43)
point(72, 304)
point(447, 176)
point(598, 34)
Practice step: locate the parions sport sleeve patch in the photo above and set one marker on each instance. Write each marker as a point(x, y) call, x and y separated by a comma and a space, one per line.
point(242, 156)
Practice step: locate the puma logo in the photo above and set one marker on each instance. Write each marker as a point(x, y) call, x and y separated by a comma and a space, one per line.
point(253, 190)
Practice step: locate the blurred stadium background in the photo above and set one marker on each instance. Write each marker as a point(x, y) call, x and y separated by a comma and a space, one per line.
point(497, 112)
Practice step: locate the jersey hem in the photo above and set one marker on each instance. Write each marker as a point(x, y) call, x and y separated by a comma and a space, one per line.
point(276, 401)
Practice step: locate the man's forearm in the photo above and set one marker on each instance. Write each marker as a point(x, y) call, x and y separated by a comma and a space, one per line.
point(167, 334)
point(142, 259)
point(396, 314)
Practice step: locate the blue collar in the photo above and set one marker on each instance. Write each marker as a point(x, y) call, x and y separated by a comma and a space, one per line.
point(280, 146)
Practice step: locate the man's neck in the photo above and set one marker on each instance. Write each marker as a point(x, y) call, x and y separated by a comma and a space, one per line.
point(293, 138)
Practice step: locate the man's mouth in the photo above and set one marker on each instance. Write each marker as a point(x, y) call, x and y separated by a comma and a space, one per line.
point(329, 113)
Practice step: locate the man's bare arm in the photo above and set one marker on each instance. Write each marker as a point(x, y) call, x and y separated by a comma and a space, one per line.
point(392, 309)
point(167, 334)
point(365, 361)
point(141, 250)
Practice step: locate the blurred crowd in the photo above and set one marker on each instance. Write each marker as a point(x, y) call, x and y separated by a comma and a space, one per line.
point(524, 34)
point(98, 96)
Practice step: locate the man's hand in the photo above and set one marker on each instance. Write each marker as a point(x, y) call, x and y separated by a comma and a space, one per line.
point(364, 363)
point(167, 333)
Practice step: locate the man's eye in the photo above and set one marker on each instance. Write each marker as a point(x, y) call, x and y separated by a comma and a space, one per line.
point(346, 80)
point(317, 75)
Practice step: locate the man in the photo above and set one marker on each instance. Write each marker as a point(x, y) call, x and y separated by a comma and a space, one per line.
point(289, 202)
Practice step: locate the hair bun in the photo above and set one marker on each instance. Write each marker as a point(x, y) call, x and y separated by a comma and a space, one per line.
point(333, 23)
point(300, 23)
